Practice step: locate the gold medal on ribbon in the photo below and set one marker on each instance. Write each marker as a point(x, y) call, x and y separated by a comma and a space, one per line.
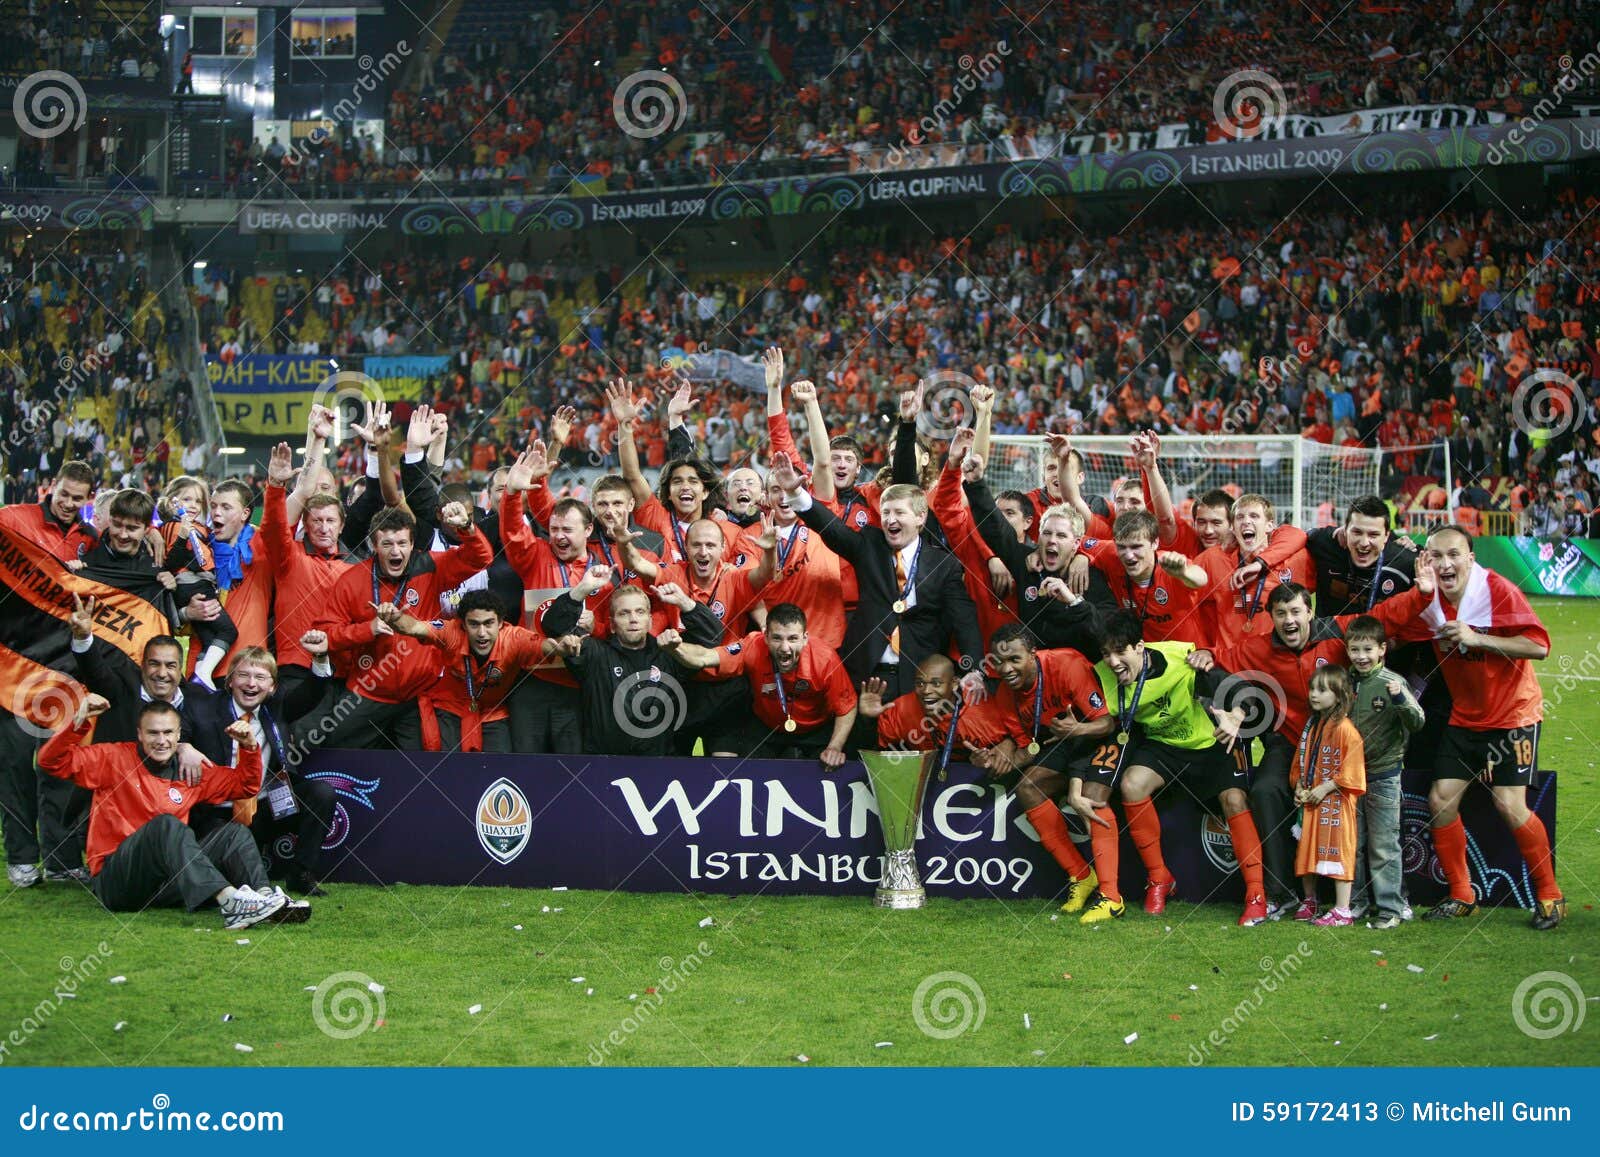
point(788, 724)
point(1033, 748)
point(899, 606)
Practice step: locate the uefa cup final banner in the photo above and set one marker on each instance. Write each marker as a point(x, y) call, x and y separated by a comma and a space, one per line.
point(775, 827)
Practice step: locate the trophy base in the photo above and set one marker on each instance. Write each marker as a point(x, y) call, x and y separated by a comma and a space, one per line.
point(899, 898)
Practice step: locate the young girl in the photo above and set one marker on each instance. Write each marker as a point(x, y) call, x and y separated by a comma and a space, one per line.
point(1328, 775)
point(182, 510)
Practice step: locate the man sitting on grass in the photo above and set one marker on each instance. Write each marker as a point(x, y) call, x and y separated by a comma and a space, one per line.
point(142, 852)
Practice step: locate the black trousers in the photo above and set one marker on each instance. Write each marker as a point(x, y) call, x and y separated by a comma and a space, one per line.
point(715, 716)
point(496, 735)
point(1272, 805)
point(353, 720)
point(44, 818)
point(163, 865)
point(545, 718)
point(308, 826)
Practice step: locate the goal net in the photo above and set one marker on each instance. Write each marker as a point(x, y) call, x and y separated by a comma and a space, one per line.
point(1310, 484)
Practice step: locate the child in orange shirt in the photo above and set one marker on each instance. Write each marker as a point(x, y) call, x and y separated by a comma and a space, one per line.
point(1329, 774)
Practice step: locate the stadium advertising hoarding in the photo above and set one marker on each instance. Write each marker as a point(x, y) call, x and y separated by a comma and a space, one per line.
point(776, 827)
point(271, 394)
point(1566, 566)
point(76, 209)
point(1552, 142)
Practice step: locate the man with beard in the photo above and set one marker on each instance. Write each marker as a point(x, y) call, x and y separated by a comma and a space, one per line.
point(142, 853)
point(632, 701)
point(379, 709)
point(935, 717)
point(689, 489)
point(802, 700)
point(804, 571)
point(484, 656)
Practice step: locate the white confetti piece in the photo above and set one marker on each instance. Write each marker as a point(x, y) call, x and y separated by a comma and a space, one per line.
point(239, 1048)
point(309, 988)
point(633, 996)
point(802, 1058)
point(242, 940)
point(588, 992)
point(1376, 951)
point(374, 986)
point(226, 1017)
point(1169, 927)
point(1130, 1038)
point(1383, 1008)
point(1435, 1036)
point(558, 909)
point(884, 1044)
point(475, 1010)
point(1194, 988)
point(1415, 968)
point(707, 922)
point(517, 927)
point(118, 980)
point(1338, 1042)
point(1027, 1021)
point(119, 1026)
point(577, 980)
point(559, 888)
point(1038, 1052)
point(546, 908)
point(1054, 918)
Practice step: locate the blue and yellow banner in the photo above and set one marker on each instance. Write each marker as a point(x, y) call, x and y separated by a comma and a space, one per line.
point(271, 394)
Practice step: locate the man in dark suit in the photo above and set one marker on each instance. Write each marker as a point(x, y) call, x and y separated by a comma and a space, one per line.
point(289, 803)
point(912, 602)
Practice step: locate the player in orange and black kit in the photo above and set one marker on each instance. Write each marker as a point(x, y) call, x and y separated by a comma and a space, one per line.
point(1485, 636)
point(1165, 589)
point(936, 717)
point(1243, 574)
point(1055, 700)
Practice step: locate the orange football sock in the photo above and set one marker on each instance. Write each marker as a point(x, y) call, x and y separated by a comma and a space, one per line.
point(1107, 853)
point(1450, 845)
point(1247, 850)
point(1048, 821)
point(1145, 825)
point(1535, 844)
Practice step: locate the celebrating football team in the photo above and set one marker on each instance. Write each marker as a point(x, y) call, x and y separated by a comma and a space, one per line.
point(1089, 652)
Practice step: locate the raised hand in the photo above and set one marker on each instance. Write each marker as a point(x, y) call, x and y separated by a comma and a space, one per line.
point(439, 424)
point(624, 404)
point(374, 430)
point(240, 732)
point(982, 397)
point(531, 465)
point(681, 402)
point(595, 579)
point(82, 618)
point(315, 643)
point(669, 640)
point(456, 515)
point(673, 595)
point(972, 468)
point(1173, 561)
point(911, 403)
point(772, 363)
point(280, 466)
point(561, 426)
point(869, 703)
point(785, 474)
point(419, 434)
point(1142, 447)
point(804, 391)
point(91, 706)
point(768, 539)
point(961, 444)
point(1425, 580)
point(320, 422)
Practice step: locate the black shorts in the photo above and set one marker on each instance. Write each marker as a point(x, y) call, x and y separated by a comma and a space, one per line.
point(1509, 754)
point(1093, 761)
point(1205, 773)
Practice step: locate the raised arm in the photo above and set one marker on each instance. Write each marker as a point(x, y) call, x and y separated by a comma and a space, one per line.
point(840, 539)
point(319, 428)
point(1147, 453)
point(1061, 446)
point(277, 540)
point(983, 419)
point(625, 409)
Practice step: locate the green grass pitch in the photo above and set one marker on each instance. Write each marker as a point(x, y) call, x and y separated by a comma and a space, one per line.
point(625, 979)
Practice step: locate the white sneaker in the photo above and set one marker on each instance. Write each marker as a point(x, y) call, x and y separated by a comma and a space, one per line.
point(293, 911)
point(1277, 907)
point(247, 906)
point(22, 875)
point(1406, 913)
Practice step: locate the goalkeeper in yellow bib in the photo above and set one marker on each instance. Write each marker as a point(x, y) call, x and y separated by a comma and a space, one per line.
point(1168, 732)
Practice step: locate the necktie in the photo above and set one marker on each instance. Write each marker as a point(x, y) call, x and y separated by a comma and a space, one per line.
point(899, 585)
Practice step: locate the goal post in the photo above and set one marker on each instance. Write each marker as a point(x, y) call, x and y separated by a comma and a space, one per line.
point(1309, 483)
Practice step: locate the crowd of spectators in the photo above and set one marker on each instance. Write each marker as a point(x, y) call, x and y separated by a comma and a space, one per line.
point(1397, 326)
point(87, 39)
point(89, 368)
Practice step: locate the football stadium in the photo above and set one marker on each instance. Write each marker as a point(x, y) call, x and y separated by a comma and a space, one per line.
point(798, 536)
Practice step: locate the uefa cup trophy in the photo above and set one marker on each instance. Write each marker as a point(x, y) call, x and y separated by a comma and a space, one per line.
point(898, 780)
